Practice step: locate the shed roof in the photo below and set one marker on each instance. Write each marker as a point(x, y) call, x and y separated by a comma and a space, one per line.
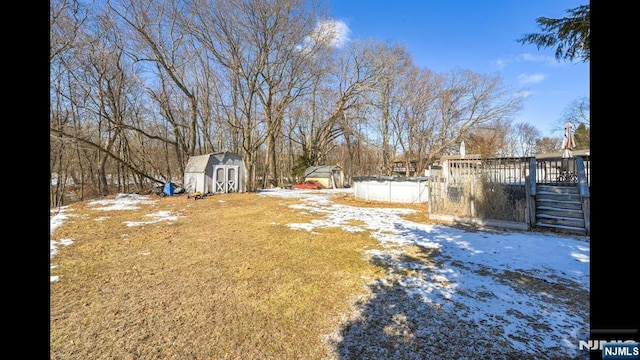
point(199, 163)
point(324, 171)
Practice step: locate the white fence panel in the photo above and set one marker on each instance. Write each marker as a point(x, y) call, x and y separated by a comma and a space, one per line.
point(394, 190)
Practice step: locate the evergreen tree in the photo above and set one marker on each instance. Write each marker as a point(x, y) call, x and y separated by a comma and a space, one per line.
point(302, 162)
point(570, 35)
point(582, 136)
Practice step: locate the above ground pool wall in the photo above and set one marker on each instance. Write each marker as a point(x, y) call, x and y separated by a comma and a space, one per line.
point(391, 189)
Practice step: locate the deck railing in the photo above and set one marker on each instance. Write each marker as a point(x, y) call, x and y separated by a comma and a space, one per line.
point(514, 170)
point(495, 188)
point(562, 171)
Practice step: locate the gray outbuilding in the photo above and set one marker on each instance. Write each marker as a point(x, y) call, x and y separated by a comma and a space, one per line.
point(330, 176)
point(221, 172)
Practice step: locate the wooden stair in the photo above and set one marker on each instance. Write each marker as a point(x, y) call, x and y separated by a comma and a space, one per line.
point(558, 207)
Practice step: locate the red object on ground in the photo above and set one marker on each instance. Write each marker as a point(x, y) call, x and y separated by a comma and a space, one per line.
point(314, 185)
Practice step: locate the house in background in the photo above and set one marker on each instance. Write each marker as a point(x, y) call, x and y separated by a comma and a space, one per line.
point(329, 176)
point(221, 172)
point(400, 168)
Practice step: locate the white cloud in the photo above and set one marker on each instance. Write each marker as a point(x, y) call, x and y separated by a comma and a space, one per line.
point(531, 58)
point(331, 33)
point(543, 59)
point(531, 78)
point(337, 32)
point(524, 94)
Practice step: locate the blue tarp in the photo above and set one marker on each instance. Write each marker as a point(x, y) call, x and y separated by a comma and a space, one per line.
point(168, 189)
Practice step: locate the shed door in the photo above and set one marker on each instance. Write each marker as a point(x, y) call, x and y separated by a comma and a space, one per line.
point(232, 179)
point(225, 178)
point(337, 179)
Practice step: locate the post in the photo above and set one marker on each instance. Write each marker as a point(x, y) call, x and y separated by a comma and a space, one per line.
point(530, 209)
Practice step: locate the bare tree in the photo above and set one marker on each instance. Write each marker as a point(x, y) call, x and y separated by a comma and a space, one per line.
point(392, 63)
point(268, 47)
point(110, 87)
point(489, 140)
point(66, 18)
point(576, 112)
point(472, 106)
point(548, 145)
point(221, 30)
point(329, 111)
point(524, 138)
point(160, 45)
point(65, 32)
point(415, 104)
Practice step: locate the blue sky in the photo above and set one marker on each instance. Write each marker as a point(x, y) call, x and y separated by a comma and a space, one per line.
point(479, 36)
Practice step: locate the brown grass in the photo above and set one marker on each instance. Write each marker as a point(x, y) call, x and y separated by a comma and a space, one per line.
point(227, 280)
point(491, 200)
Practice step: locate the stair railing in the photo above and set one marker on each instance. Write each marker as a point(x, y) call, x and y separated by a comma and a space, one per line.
point(530, 194)
point(585, 196)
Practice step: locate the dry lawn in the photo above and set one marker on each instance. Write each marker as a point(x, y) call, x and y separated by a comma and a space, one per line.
point(227, 280)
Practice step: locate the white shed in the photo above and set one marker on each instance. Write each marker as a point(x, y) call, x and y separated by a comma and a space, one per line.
point(221, 172)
